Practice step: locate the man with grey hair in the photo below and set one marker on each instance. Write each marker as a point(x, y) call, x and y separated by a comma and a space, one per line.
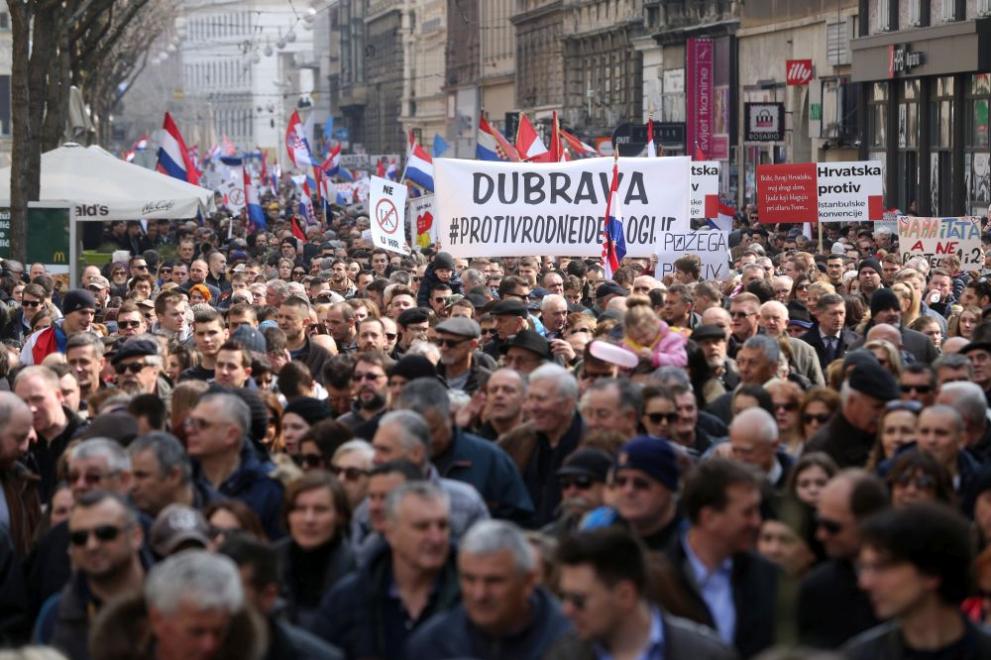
point(193, 606)
point(20, 506)
point(754, 440)
point(773, 322)
point(459, 455)
point(756, 363)
point(612, 404)
point(372, 612)
point(105, 551)
point(540, 446)
point(502, 605)
point(554, 315)
point(216, 437)
point(405, 435)
point(162, 474)
point(969, 402)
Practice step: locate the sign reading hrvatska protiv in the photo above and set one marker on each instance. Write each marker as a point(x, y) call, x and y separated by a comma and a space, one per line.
point(939, 237)
point(705, 189)
point(486, 209)
point(820, 192)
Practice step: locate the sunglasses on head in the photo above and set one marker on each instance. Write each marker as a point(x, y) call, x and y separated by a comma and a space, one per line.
point(103, 533)
point(658, 417)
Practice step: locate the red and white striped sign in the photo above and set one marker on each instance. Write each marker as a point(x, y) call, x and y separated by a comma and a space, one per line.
point(798, 72)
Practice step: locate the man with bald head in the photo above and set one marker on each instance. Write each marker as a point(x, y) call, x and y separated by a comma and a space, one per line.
point(198, 272)
point(754, 440)
point(890, 334)
point(20, 505)
point(940, 432)
point(719, 317)
point(773, 322)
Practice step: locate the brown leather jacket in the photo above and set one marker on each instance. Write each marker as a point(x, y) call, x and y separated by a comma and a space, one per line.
point(20, 489)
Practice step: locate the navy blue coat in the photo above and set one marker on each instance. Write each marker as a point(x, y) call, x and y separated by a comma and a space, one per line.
point(484, 465)
point(452, 635)
point(251, 484)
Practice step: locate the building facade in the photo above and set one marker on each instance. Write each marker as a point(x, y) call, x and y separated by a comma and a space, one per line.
point(539, 28)
point(924, 69)
point(424, 100)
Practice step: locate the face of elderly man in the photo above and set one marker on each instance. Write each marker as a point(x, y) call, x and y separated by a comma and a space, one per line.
point(773, 319)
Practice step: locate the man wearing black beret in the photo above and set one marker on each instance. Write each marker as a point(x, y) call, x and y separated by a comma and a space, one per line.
point(848, 437)
point(511, 317)
point(413, 326)
point(138, 365)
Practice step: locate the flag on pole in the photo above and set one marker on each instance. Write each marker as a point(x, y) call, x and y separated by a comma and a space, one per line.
point(173, 156)
point(297, 228)
point(528, 142)
point(255, 212)
point(577, 147)
point(328, 130)
point(651, 147)
point(493, 145)
point(724, 219)
point(419, 165)
point(699, 154)
point(556, 153)
point(299, 150)
point(440, 145)
point(614, 245)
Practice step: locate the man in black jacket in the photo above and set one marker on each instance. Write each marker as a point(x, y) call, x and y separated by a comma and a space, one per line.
point(830, 338)
point(915, 565)
point(722, 501)
point(831, 608)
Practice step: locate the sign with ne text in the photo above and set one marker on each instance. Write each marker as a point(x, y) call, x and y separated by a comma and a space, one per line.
point(499, 209)
point(705, 189)
point(826, 192)
point(798, 72)
point(765, 122)
point(420, 214)
point(710, 245)
point(938, 237)
point(387, 214)
point(699, 73)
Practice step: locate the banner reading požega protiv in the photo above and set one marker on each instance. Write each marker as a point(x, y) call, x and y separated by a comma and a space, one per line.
point(487, 209)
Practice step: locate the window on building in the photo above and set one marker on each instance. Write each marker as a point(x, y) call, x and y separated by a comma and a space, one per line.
point(915, 12)
point(983, 7)
point(838, 42)
point(949, 10)
point(878, 115)
point(883, 15)
point(941, 121)
point(977, 159)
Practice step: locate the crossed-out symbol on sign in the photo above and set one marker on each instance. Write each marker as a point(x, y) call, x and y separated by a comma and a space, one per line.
point(387, 216)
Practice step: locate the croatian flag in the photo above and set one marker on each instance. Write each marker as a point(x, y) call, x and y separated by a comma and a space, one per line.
point(576, 146)
point(255, 213)
point(492, 145)
point(173, 156)
point(614, 245)
point(528, 142)
point(724, 219)
point(299, 150)
point(391, 171)
point(651, 147)
point(419, 165)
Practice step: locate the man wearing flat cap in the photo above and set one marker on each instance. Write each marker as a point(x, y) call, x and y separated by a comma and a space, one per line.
point(511, 317)
point(461, 364)
point(138, 365)
point(848, 437)
point(711, 340)
point(78, 310)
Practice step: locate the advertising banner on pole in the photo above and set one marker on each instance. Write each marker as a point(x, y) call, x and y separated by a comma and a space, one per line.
point(705, 189)
point(710, 245)
point(699, 98)
point(420, 216)
point(938, 237)
point(826, 192)
point(387, 214)
point(499, 209)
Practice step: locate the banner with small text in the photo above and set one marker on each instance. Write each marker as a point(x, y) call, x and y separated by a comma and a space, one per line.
point(710, 245)
point(387, 214)
point(938, 237)
point(496, 209)
point(705, 189)
point(826, 192)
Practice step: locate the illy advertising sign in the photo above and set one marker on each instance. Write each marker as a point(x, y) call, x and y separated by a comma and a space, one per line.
point(798, 72)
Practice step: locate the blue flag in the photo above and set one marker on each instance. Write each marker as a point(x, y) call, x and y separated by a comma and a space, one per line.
point(440, 145)
point(328, 129)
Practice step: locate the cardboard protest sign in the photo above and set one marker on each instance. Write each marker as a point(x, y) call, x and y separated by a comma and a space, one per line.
point(938, 237)
point(705, 189)
point(497, 209)
point(420, 214)
point(826, 192)
point(710, 245)
point(387, 214)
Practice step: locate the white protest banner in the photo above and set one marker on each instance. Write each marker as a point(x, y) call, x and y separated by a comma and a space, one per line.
point(820, 192)
point(710, 245)
point(705, 189)
point(938, 237)
point(420, 214)
point(490, 209)
point(387, 214)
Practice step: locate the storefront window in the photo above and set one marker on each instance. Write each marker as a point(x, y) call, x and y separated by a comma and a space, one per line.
point(977, 159)
point(908, 142)
point(941, 139)
point(878, 115)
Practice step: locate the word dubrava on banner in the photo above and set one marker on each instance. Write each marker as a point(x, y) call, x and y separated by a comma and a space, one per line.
point(487, 209)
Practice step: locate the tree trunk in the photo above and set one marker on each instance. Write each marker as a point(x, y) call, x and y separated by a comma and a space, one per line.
point(20, 128)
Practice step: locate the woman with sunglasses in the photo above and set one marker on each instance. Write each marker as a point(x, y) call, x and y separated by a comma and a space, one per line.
point(318, 445)
point(317, 552)
point(918, 477)
point(660, 412)
point(786, 398)
point(351, 464)
point(118, 279)
point(818, 406)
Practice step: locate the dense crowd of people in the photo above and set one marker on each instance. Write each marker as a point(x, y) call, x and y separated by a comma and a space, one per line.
point(291, 444)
